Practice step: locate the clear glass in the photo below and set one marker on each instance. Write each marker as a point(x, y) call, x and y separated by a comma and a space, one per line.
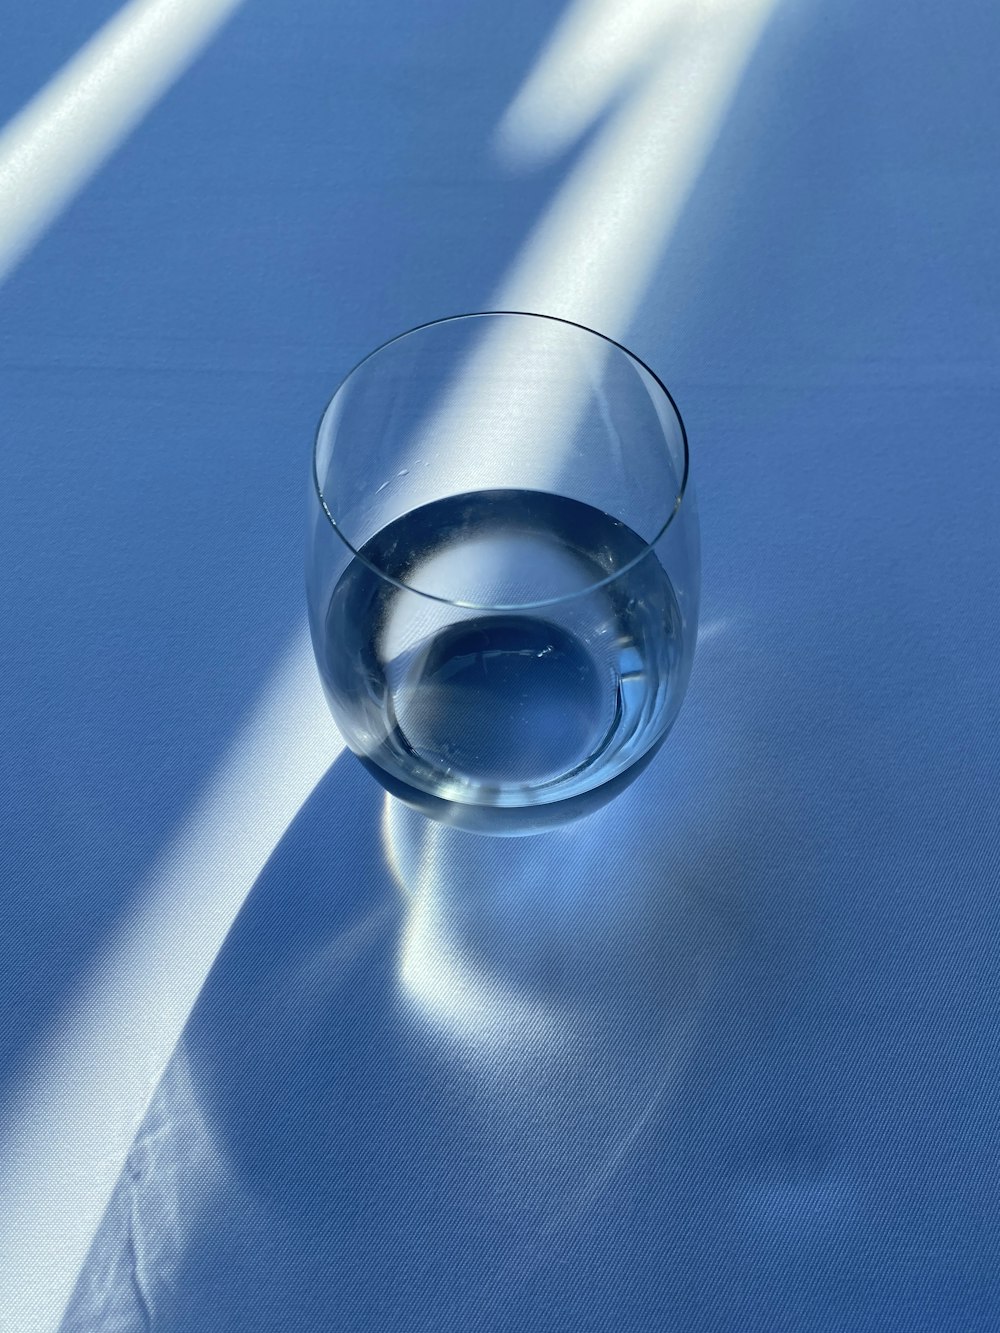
point(503, 569)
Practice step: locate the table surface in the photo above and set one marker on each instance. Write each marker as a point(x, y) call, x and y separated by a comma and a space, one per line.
point(278, 1055)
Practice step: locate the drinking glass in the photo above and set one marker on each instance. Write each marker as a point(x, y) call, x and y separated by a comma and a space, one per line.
point(503, 568)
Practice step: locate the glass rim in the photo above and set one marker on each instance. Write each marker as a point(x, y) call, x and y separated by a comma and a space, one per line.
point(503, 606)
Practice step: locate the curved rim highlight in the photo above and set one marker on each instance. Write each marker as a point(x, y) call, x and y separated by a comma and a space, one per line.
point(503, 606)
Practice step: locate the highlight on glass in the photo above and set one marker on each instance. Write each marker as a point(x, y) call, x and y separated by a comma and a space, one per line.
point(503, 567)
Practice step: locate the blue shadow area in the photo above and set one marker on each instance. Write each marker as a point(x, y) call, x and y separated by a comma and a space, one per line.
point(305, 191)
point(435, 1070)
point(830, 324)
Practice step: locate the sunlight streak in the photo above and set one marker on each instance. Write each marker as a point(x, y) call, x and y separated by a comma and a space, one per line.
point(594, 251)
point(68, 1133)
point(58, 141)
point(595, 53)
point(600, 51)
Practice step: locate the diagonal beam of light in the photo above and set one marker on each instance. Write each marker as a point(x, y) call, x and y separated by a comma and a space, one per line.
point(58, 141)
point(593, 56)
point(66, 1137)
point(594, 251)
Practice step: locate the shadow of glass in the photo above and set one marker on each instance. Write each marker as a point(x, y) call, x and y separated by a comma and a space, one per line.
point(438, 1072)
point(444, 1013)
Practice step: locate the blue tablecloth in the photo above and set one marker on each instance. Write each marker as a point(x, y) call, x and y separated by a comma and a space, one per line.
point(723, 1056)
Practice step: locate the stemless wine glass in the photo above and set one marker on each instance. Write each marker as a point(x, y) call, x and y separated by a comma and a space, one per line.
point(503, 568)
